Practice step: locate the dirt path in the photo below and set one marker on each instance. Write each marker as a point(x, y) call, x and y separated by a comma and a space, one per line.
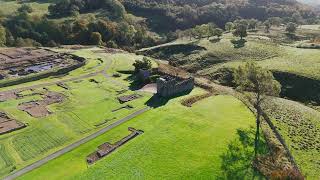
point(74, 145)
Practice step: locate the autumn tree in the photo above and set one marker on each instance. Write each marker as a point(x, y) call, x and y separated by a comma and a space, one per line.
point(261, 84)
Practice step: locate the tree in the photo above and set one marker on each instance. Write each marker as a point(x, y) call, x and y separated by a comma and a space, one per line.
point(241, 22)
point(211, 31)
point(20, 42)
point(291, 28)
point(297, 18)
point(229, 26)
point(240, 31)
point(267, 26)
point(96, 38)
point(3, 36)
point(199, 32)
point(275, 21)
point(188, 33)
point(25, 9)
point(218, 32)
point(262, 84)
point(143, 64)
point(252, 24)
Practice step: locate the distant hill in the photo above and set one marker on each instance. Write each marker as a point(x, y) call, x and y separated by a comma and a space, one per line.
point(170, 15)
point(310, 2)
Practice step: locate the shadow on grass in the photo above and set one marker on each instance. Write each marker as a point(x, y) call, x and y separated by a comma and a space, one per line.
point(157, 101)
point(135, 84)
point(237, 160)
point(238, 43)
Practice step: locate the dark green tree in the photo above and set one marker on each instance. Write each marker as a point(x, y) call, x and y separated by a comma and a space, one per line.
point(96, 38)
point(25, 8)
point(143, 64)
point(291, 28)
point(240, 31)
point(267, 26)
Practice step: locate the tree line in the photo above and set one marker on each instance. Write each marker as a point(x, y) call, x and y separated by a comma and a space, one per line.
point(114, 29)
point(170, 15)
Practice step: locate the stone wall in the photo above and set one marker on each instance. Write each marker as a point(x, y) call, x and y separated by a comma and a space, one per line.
point(168, 87)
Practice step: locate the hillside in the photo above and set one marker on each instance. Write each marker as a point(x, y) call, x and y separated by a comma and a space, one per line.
point(182, 14)
point(127, 24)
point(310, 2)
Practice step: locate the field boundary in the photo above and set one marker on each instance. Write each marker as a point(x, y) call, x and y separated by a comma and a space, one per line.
point(74, 145)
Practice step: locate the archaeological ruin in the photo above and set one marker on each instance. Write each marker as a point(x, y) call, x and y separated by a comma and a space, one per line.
point(107, 148)
point(8, 125)
point(20, 62)
point(169, 86)
point(38, 108)
point(127, 98)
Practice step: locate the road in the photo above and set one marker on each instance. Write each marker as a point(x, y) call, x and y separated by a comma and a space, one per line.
point(73, 146)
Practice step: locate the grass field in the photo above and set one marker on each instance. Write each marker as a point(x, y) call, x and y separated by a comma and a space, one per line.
point(300, 127)
point(88, 108)
point(8, 7)
point(222, 54)
point(303, 62)
point(178, 143)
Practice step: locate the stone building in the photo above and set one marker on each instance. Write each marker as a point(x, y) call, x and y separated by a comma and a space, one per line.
point(168, 86)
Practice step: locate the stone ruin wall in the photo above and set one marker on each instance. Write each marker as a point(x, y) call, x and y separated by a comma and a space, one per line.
point(174, 87)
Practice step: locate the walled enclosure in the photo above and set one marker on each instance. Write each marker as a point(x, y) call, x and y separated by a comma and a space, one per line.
point(168, 86)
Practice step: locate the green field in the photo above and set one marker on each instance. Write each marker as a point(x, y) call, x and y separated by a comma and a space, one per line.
point(87, 109)
point(304, 62)
point(222, 54)
point(178, 143)
point(300, 127)
point(8, 7)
